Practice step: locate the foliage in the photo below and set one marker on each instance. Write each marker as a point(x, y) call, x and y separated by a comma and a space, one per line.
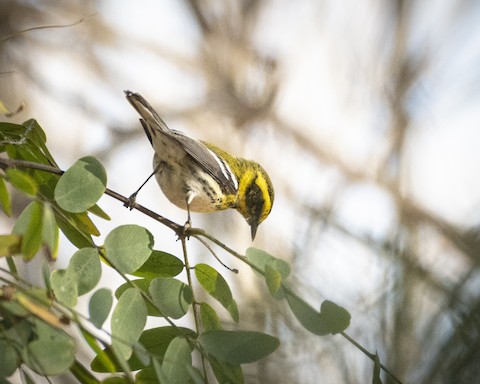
point(34, 319)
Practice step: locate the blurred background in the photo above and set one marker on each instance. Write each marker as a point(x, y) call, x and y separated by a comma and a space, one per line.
point(366, 116)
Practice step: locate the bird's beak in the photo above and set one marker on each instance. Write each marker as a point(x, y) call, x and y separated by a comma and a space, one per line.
point(253, 228)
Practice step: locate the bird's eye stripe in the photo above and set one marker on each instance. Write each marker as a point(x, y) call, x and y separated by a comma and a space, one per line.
point(227, 172)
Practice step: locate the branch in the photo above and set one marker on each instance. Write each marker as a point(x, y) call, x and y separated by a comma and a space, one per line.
point(182, 232)
point(9, 163)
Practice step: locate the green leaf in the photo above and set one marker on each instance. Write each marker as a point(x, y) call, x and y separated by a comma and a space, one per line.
point(49, 357)
point(209, 317)
point(13, 308)
point(80, 187)
point(128, 320)
point(22, 181)
point(195, 375)
point(8, 359)
point(83, 222)
point(216, 286)
point(154, 340)
point(306, 315)
point(39, 138)
point(20, 333)
point(97, 211)
point(336, 318)
point(226, 372)
point(233, 310)
point(153, 374)
point(64, 286)
point(50, 232)
point(157, 340)
point(260, 259)
point(27, 142)
point(99, 306)
point(238, 347)
point(85, 266)
point(128, 247)
point(72, 231)
point(5, 200)
point(171, 296)
point(82, 375)
point(105, 361)
point(274, 282)
point(176, 361)
point(52, 353)
point(143, 285)
point(160, 264)
point(29, 226)
point(10, 245)
point(140, 354)
point(332, 319)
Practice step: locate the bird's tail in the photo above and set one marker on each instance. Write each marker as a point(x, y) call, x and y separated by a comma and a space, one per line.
point(150, 118)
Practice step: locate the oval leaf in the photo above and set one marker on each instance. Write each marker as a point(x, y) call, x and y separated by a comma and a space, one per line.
point(49, 357)
point(142, 285)
point(226, 372)
point(8, 359)
point(64, 286)
point(128, 320)
point(5, 200)
point(72, 229)
point(22, 181)
point(50, 232)
point(29, 225)
point(85, 266)
point(307, 316)
point(128, 247)
point(336, 318)
point(260, 259)
point(177, 360)
point(274, 282)
point(160, 264)
point(238, 347)
point(171, 296)
point(217, 287)
point(332, 319)
point(80, 187)
point(209, 317)
point(99, 306)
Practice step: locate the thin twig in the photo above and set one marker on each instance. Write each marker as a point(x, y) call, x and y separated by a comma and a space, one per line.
point(17, 33)
point(370, 356)
point(206, 245)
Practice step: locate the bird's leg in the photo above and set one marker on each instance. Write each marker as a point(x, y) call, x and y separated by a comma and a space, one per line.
point(189, 199)
point(188, 223)
point(131, 200)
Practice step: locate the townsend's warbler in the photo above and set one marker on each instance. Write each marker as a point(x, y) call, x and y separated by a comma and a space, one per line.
point(200, 177)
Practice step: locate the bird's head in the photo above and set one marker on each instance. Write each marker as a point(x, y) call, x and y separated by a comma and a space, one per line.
point(255, 195)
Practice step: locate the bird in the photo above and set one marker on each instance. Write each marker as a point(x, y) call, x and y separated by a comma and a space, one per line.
point(200, 177)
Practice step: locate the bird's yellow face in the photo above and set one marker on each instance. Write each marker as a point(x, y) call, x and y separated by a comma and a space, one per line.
point(255, 196)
